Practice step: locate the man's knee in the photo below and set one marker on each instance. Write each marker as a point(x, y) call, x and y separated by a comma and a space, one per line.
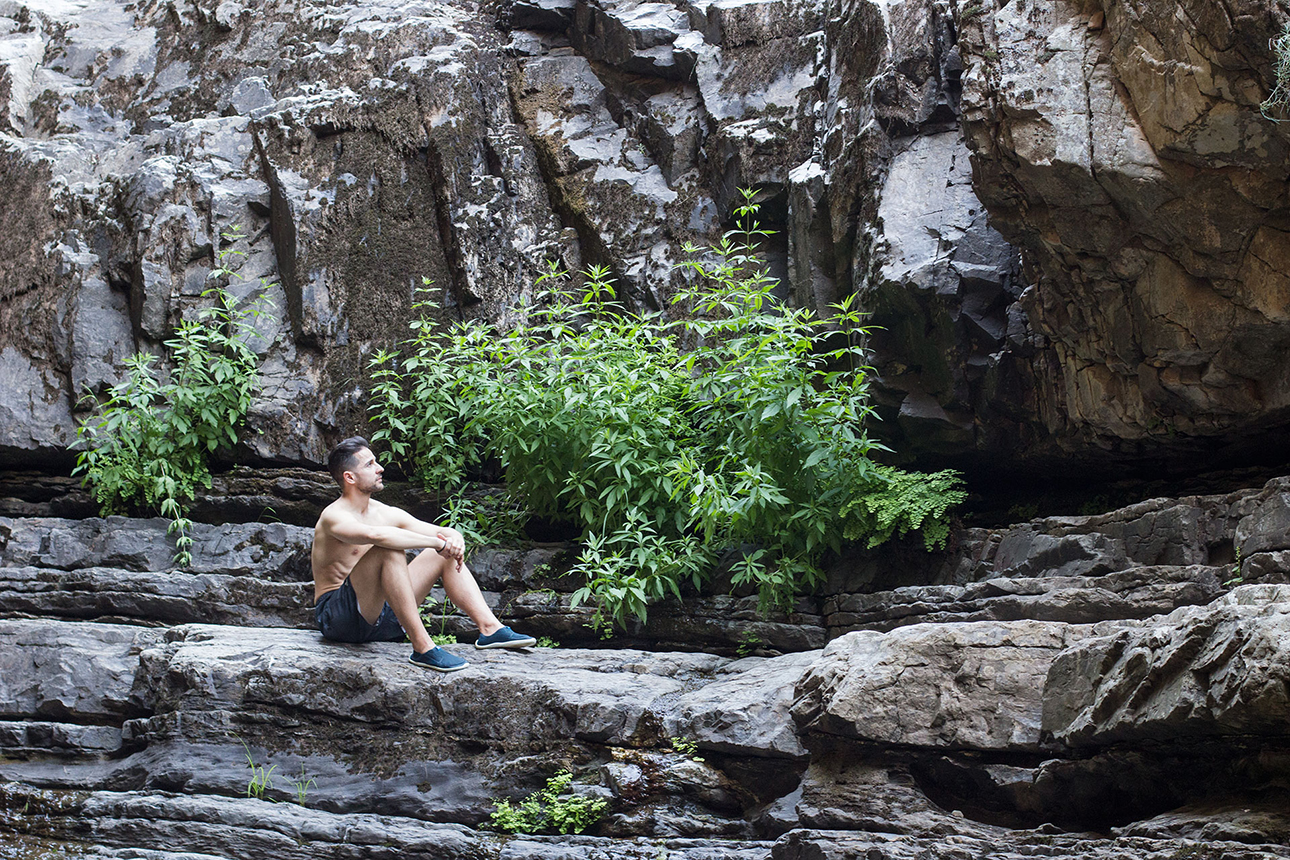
point(391, 560)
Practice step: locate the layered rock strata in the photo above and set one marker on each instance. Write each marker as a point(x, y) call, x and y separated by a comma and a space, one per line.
point(1144, 718)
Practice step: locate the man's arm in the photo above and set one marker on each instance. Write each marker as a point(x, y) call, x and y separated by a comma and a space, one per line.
point(348, 530)
point(451, 537)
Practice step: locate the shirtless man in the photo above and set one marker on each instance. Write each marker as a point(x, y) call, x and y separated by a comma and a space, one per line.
point(365, 590)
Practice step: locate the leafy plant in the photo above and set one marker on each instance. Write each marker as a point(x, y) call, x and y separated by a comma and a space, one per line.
point(749, 642)
point(666, 443)
point(1236, 577)
point(547, 642)
point(492, 518)
point(548, 810)
point(429, 615)
point(149, 441)
point(687, 748)
point(1277, 104)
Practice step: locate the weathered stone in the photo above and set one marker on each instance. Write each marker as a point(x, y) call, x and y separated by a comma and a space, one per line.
point(1261, 821)
point(98, 593)
point(1266, 567)
point(942, 275)
point(745, 713)
point(30, 737)
point(1026, 554)
point(162, 826)
point(70, 672)
point(848, 792)
point(1198, 672)
point(546, 695)
point(943, 686)
point(1139, 592)
point(1113, 174)
point(1266, 529)
point(1005, 845)
point(271, 551)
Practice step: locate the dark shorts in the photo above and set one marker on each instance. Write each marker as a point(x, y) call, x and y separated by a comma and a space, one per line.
point(338, 618)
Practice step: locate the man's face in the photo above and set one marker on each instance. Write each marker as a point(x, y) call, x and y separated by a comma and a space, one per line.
point(367, 472)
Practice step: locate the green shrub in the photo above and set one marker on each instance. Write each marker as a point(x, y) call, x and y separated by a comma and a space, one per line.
point(148, 441)
point(670, 445)
point(547, 811)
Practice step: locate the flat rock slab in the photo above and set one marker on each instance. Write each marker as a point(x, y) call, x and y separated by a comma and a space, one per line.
point(1139, 592)
point(181, 826)
point(1199, 672)
point(189, 704)
point(272, 551)
point(155, 597)
point(1251, 820)
point(71, 672)
point(745, 710)
point(1007, 845)
point(948, 686)
point(503, 698)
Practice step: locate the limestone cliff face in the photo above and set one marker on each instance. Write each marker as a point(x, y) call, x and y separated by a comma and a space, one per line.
point(1121, 146)
point(915, 152)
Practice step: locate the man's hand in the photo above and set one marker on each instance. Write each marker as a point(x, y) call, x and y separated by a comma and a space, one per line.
point(454, 544)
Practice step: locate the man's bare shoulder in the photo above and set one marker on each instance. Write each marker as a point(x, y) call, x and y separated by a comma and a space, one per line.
point(383, 514)
point(334, 513)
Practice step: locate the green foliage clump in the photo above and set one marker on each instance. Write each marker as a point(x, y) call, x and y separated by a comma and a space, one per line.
point(686, 747)
point(148, 441)
point(735, 431)
point(547, 811)
point(1277, 104)
point(488, 519)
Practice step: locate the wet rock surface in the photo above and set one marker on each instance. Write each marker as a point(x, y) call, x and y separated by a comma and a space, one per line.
point(1118, 698)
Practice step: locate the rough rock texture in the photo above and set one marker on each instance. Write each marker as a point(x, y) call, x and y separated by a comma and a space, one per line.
point(1119, 697)
point(1186, 675)
point(363, 147)
point(1120, 145)
point(954, 686)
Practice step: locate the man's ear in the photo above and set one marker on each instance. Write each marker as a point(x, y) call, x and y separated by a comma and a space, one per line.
point(348, 477)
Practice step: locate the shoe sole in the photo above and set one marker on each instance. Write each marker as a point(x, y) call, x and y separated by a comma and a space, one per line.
point(438, 668)
point(528, 642)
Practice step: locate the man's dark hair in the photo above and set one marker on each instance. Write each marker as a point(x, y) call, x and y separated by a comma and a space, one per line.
point(343, 457)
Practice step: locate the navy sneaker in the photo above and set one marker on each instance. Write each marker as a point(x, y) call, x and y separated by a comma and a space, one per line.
point(437, 659)
point(505, 638)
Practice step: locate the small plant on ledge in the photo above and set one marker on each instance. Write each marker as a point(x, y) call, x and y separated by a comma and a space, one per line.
point(1276, 106)
point(549, 810)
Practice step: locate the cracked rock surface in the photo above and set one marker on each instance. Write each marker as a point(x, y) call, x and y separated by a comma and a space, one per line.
point(1123, 697)
point(1095, 275)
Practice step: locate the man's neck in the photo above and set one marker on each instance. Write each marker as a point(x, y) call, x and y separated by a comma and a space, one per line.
point(356, 499)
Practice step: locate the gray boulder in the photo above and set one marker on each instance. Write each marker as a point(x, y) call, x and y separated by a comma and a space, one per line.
point(943, 686)
point(1199, 672)
point(269, 551)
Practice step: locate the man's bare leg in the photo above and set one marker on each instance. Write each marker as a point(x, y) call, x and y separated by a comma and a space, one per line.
point(458, 583)
point(382, 576)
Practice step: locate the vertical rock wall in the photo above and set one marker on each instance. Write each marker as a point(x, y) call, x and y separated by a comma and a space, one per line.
point(914, 152)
